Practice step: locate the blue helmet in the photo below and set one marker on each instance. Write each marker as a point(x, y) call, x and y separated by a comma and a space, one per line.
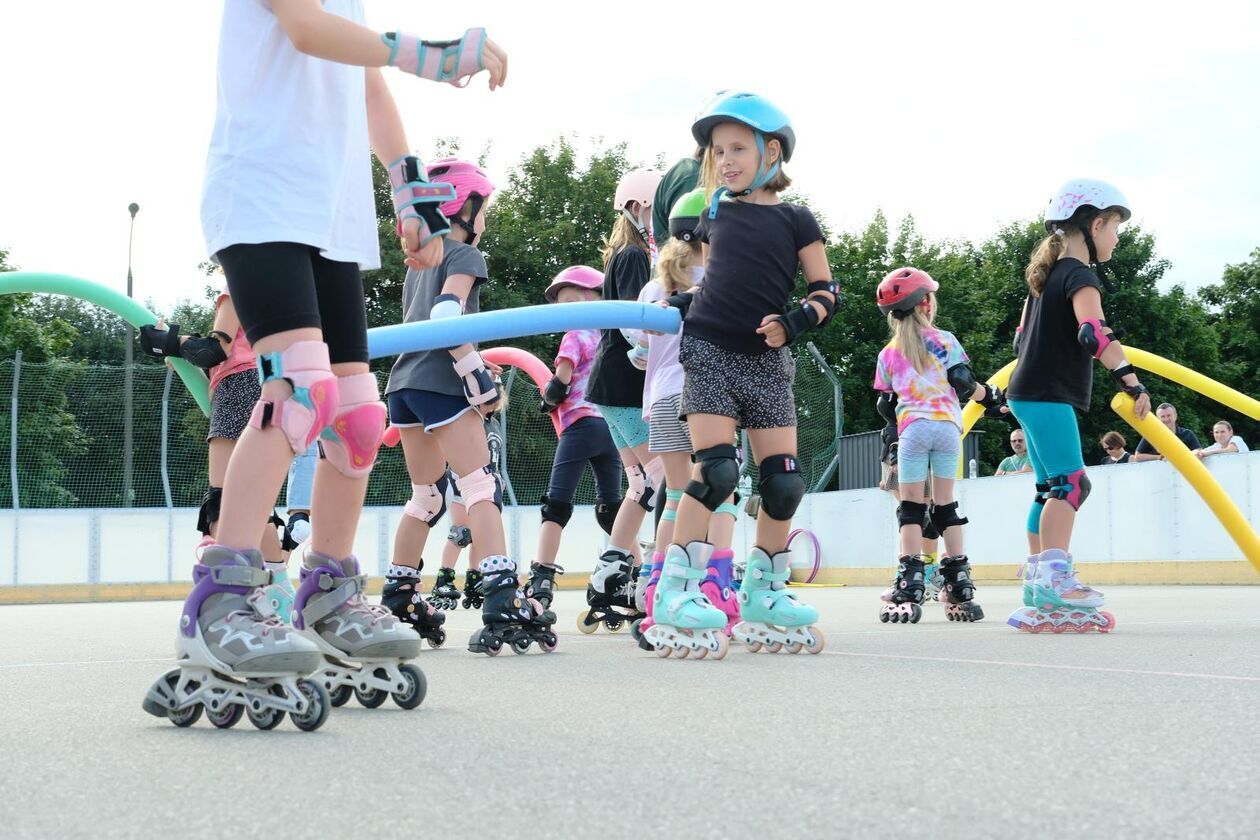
point(754, 111)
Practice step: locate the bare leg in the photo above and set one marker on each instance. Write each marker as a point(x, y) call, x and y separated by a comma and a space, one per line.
point(425, 465)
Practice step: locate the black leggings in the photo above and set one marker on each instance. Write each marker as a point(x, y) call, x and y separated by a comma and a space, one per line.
point(586, 441)
point(279, 286)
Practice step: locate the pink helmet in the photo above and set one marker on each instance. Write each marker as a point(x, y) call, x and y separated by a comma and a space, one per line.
point(468, 179)
point(578, 276)
point(639, 185)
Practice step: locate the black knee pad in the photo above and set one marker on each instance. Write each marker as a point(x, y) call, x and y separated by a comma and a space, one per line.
point(209, 513)
point(648, 500)
point(1072, 488)
point(719, 474)
point(929, 530)
point(606, 514)
point(911, 513)
point(1043, 493)
point(557, 511)
point(781, 487)
point(946, 516)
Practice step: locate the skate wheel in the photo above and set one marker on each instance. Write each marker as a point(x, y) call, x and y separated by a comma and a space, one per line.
point(1110, 625)
point(520, 646)
point(586, 629)
point(883, 616)
point(185, 717)
point(683, 652)
point(548, 643)
point(774, 647)
point(916, 612)
point(494, 648)
point(437, 639)
point(635, 631)
point(340, 695)
point(417, 687)
point(371, 698)
point(819, 641)
point(614, 626)
point(227, 717)
point(1059, 628)
point(700, 653)
point(723, 647)
point(317, 706)
point(266, 718)
point(793, 647)
point(664, 651)
point(753, 647)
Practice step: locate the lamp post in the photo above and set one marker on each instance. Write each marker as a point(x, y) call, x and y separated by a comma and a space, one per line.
point(128, 493)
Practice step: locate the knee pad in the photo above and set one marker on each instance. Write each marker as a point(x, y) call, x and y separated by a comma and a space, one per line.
point(557, 511)
point(479, 486)
point(911, 513)
point(731, 509)
point(428, 502)
point(945, 516)
point(352, 439)
point(781, 487)
point(1035, 509)
point(929, 528)
point(209, 513)
point(719, 473)
point(641, 489)
point(606, 514)
point(1072, 488)
point(310, 408)
point(461, 535)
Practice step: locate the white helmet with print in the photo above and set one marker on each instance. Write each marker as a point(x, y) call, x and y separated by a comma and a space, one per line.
point(1085, 192)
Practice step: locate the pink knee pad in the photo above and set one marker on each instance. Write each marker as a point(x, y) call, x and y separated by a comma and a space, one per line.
point(311, 406)
point(428, 502)
point(480, 486)
point(427, 59)
point(1072, 488)
point(352, 438)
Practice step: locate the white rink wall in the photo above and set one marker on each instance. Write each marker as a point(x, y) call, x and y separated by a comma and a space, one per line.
point(1136, 513)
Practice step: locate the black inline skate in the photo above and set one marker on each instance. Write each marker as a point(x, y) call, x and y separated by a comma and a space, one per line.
point(959, 590)
point(509, 618)
point(610, 595)
point(444, 595)
point(906, 593)
point(542, 583)
point(474, 590)
point(401, 596)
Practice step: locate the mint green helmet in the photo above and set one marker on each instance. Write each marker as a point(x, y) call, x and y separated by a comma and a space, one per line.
point(685, 215)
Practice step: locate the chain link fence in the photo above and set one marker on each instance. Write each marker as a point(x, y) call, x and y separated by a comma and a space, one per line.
point(64, 436)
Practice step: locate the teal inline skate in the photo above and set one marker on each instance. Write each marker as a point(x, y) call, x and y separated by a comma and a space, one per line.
point(770, 616)
point(684, 621)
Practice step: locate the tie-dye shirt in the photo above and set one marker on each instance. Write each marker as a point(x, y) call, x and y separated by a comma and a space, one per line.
point(578, 347)
point(927, 395)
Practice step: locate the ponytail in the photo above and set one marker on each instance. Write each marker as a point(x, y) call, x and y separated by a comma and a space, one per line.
point(624, 235)
point(1043, 260)
point(907, 336)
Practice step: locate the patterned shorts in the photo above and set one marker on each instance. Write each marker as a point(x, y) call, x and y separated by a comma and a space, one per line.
point(754, 389)
point(667, 433)
point(232, 403)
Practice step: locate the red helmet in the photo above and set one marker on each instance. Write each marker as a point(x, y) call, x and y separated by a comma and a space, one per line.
point(904, 289)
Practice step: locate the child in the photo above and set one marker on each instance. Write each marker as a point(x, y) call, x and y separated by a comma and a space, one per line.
point(616, 390)
point(923, 371)
point(680, 271)
point(1061, 331)
point(287, 211)
point(739, 370)
point(437, 399)
point(932, 579)
point(584, 439)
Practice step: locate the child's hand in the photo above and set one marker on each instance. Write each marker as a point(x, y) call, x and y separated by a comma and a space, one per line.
point(772, 329)
point(414, 255)
point(495, 370)
point(496, 63)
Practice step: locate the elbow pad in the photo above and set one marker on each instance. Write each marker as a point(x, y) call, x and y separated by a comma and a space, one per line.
point(1092, 337)
point(829, 304)
point(886, 406)
point(446, 306)
point(962, 380)
point(203, 352)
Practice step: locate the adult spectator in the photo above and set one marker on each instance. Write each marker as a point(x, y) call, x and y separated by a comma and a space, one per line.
point(1227, 443)
point(1168, 416)
point(1114, 444)
point(1019, 461)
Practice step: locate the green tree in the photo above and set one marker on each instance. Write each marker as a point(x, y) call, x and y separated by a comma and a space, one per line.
point(1233, 314)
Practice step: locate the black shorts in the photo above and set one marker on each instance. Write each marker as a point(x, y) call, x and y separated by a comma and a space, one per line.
point(279, 286)
point(756, 390)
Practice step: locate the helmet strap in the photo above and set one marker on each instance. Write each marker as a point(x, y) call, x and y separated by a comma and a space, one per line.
point(760, 181)
point(469, 226)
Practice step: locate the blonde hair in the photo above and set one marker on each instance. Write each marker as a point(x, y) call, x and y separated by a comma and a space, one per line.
point(624, 235)
point(1051, 249)
point(907, 337)
point(674, 263)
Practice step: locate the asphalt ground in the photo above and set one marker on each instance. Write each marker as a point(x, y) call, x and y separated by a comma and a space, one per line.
point(929, 730)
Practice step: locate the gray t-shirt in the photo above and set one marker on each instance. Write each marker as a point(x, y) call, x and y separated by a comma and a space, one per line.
point(431, 370)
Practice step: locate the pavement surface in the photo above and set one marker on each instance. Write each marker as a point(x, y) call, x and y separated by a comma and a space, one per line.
point(929, 730)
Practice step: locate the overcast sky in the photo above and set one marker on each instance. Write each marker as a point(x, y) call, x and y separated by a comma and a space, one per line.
point(965, 114)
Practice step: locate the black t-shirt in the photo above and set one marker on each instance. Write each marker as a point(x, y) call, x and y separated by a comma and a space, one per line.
point(1184, 435)
point(614, 380)
point(1053, 366)
point(751, 271)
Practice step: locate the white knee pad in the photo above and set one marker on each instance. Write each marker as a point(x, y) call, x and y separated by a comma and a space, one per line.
point(481, 485)
point(428, 502)
point(353, 437)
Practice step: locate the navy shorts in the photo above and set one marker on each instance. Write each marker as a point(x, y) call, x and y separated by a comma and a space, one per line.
point(411, 407)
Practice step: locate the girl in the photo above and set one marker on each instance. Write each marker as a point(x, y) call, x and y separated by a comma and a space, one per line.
point(287, 211)
point(738, 370)
point(584, 439)
point(616, 390)
point(680, 271)
point(923, 371)
point(437, 399)
point(1061, 330)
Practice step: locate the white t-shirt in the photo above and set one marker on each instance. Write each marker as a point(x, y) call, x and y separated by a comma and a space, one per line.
point(289, 157)
point(1236, 440)
point(664, 376)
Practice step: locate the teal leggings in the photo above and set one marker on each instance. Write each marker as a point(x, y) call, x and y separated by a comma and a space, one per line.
point(1054, 445)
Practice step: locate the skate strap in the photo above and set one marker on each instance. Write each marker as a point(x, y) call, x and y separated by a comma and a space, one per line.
point(766, 574)
point(239, 576)
point(677, 570)
point(337, 591)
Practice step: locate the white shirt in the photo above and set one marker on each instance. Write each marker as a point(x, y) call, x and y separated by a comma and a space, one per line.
point(664, 377)
point(1236, 440)
point(289, 156)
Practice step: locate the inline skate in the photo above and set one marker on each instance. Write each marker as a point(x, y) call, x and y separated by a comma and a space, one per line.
point(683, 620)
point(933, 580)
point(718, 588)
point(903, 598)
point(649, 577)
point(509, 618)
point(365, 647)
point(445, 595)
point(542, 583)
point(958, 590)
point(401, 596)
point(771, 617)
point(1060, 601)
point(610, 595)
point(233, 659)
point(474, 590)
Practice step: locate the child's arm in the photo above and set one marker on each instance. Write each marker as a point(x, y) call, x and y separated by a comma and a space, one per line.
point(819, 305)
point(1106, 348)
point(479, 386)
